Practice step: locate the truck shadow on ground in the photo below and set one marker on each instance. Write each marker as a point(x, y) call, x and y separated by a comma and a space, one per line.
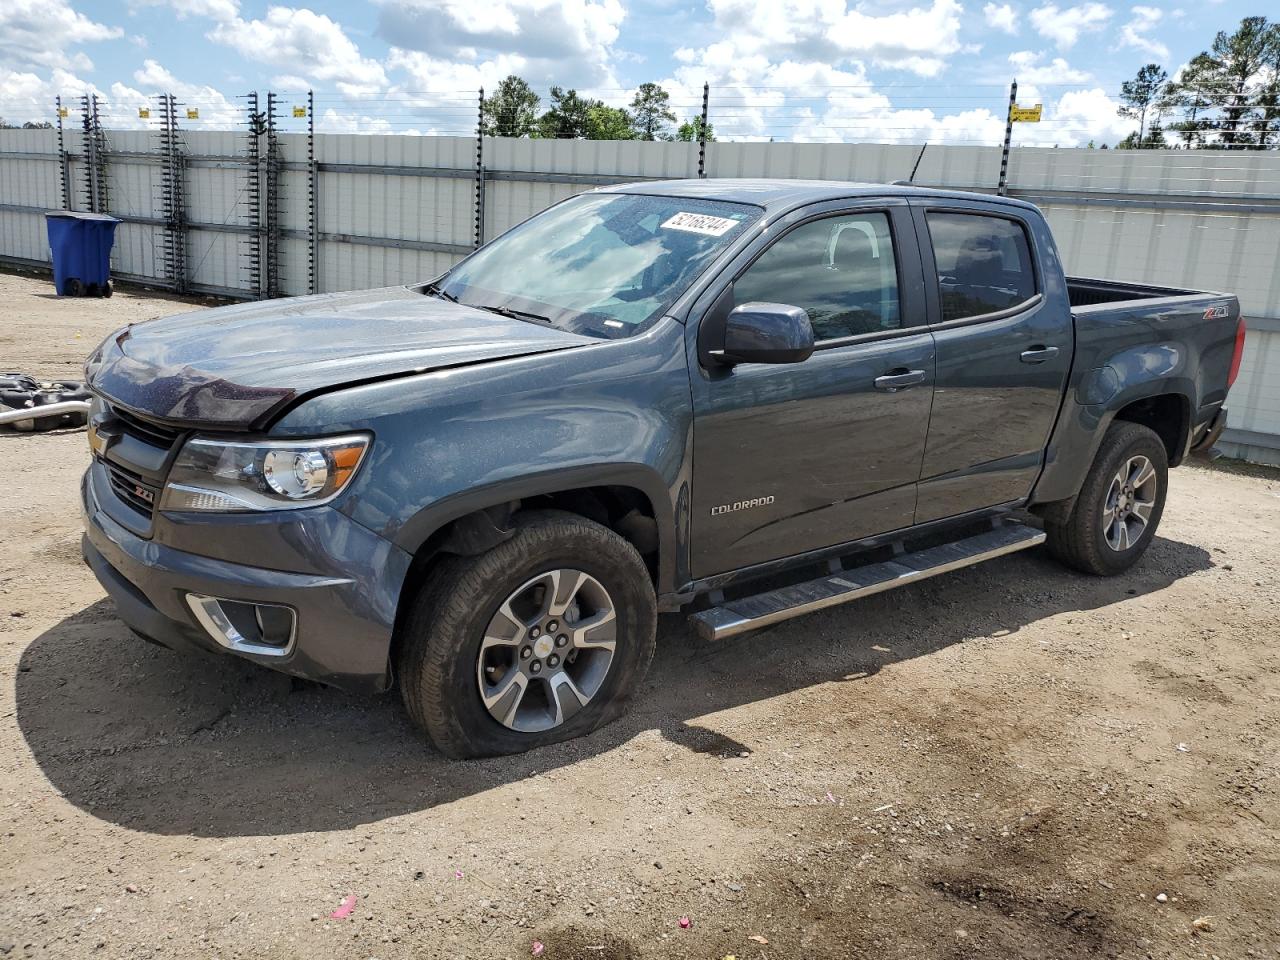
point(174, 743)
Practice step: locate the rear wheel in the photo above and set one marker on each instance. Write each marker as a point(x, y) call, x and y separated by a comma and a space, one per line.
point(541, 639)
point(1119, 506)
point(72, 288)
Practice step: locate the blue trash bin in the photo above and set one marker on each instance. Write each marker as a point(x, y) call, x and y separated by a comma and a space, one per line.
point(81, 247)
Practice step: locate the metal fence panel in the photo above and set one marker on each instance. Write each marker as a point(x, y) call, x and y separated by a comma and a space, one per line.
point(393, 209)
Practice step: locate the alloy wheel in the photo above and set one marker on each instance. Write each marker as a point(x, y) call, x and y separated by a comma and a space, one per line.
point(547, 650)
point(1131, 499)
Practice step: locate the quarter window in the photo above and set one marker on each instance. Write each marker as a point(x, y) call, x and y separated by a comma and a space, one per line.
point(984, 264)
point(841, 271)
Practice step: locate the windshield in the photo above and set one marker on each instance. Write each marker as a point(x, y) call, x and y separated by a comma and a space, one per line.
point(603, 264)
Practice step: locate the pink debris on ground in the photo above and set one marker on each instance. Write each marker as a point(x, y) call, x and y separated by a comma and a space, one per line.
point(537, 948)
point(685, 923)
point(457, 874)
point(344, 910)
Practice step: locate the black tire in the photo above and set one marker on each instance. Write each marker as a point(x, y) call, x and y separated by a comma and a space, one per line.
point(73, 288)
point(108, 289)
point(1081, 541)
point(442, 636)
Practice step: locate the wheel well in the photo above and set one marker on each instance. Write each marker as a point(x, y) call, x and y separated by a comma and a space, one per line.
point(1167, 415)
point(625, 510)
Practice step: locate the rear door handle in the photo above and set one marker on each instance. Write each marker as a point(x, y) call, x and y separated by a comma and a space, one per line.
point(1039, 354)
point(897, 379)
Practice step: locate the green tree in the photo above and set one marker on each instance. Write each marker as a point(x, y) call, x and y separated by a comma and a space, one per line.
point(608, 123)
point(567, 117)
point(651, 112)
point(512, 111)
point(1190, 97)
point(1267, 126)
point(1137, 96)
point(1238, 58)
point(689, 131)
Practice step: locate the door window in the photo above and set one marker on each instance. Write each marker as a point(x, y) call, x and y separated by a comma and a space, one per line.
point(984, 264)
point(841, 271)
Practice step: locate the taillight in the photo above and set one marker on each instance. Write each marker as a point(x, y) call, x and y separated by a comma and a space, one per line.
point(1237, 355)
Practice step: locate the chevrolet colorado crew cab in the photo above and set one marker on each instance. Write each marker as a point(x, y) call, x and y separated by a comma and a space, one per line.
point(749, 399)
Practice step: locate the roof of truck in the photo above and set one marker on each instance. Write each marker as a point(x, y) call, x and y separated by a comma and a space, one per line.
point(778, 195)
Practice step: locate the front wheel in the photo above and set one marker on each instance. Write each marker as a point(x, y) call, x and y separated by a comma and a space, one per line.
point(1119, 505)
point(541, 639)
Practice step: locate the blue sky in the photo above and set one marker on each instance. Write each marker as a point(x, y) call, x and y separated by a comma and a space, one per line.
point(792, 69)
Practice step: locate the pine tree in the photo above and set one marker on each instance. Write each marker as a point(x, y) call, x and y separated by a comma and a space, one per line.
point(1191, 95)
point(512, 111)
point(1238, 57)
point(651, 112)
point(567, 118)
point(1137, 96)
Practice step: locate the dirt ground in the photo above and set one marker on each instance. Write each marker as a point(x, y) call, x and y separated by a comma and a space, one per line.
point(1013, 761)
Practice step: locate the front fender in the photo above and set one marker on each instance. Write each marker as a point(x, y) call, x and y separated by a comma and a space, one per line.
point(454, 441)
point(417, 529)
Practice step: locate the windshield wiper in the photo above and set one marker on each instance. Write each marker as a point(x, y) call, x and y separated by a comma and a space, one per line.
point(437, 290)
point(514, 314)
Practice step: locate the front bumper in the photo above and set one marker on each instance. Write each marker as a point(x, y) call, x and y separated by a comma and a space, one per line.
point(345, 607)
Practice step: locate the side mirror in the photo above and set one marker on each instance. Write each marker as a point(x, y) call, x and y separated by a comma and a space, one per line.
point(766, 333)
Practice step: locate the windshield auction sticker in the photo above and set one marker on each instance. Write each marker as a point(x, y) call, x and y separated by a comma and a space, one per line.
point(700, 223)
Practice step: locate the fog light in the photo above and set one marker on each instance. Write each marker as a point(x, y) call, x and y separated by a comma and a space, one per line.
point(259, 629)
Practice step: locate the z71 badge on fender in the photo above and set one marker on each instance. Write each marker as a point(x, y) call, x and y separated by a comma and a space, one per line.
point(740, 505)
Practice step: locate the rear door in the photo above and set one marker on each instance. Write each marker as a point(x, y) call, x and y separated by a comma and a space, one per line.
point(791, 458)
point(1004, 338)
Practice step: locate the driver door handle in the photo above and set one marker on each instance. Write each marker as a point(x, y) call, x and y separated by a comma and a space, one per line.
point(1039, 354)
point(897, 379)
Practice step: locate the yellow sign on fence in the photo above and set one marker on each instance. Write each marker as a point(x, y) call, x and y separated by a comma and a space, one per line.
point(299, 111)
point(193, 113)
point(1026, 114)
point(64, 112)
point(144, 113)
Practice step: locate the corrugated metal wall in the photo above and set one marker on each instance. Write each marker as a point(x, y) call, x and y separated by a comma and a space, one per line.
point(393, 209)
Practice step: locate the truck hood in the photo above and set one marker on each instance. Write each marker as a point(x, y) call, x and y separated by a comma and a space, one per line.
point(237, 367)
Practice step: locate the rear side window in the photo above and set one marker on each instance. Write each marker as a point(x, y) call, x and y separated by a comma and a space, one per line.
point(840, 270)
point(984, 264)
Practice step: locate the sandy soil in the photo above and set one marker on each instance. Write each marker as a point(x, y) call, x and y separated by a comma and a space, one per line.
point(1012, 761)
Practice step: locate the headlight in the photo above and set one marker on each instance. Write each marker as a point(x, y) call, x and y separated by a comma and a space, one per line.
point(227, 477)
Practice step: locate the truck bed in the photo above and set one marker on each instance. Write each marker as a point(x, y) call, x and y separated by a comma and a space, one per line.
point(1089, 292)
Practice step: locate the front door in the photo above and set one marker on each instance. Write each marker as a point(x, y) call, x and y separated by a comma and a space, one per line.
point(1004, 347)
point(791, 458)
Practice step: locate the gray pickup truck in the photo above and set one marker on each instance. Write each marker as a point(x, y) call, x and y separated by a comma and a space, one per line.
point(745, 399)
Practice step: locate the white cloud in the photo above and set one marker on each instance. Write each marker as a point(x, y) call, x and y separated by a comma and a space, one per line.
point(1001, 17)
point(39, 33)
point(28, 96)
point(1030, 71)
point(303, 43)
point(1065, 26)
point(918, 39)
point(216, 110)
point(212, 9)
point(1135, 33)
point(567, 42)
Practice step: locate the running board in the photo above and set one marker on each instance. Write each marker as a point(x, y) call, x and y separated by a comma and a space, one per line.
point(764, 609)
